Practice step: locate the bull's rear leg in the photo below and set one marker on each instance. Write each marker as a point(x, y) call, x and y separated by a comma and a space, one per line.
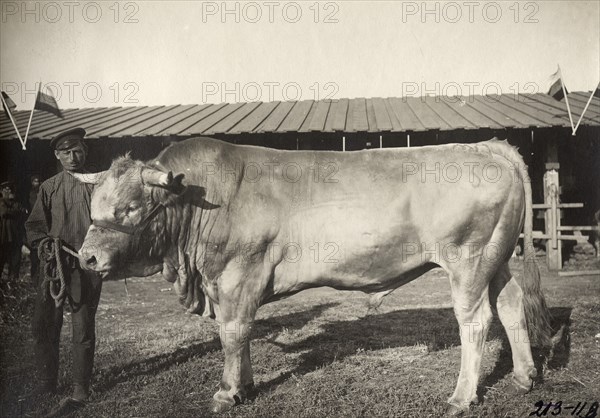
point(507, 296)
point(474, 314)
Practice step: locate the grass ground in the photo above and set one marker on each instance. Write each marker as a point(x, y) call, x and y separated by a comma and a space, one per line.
point(317, 354)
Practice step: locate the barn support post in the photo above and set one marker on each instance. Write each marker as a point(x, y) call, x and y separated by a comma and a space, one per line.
point(552, 216)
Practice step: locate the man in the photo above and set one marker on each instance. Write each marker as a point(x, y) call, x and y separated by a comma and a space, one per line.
point(62, 210)
point(34, 189)
point(12, 216)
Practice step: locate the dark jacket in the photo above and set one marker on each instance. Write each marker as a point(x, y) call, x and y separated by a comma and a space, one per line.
point(12, 216)
point(33, 194)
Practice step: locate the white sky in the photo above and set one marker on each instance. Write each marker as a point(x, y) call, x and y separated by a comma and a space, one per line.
point(183, 53)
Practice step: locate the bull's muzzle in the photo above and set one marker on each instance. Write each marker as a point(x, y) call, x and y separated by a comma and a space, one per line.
point(88, 258)
point(92, 258)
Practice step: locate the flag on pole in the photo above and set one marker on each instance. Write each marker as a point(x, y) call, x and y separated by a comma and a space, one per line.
point(8, 105)
point(31, 113)
point(47, 103)
point(558, 91)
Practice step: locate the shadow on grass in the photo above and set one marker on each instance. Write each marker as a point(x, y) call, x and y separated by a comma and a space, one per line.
point(435, 328)
point(109, 378)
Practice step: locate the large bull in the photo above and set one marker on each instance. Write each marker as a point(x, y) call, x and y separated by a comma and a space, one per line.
point(251, 225)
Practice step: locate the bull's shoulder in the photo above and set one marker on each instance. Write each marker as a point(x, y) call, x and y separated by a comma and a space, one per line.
point(202, 147)
point(189, 147)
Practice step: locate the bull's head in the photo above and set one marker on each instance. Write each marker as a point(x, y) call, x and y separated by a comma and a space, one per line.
point(127, 211)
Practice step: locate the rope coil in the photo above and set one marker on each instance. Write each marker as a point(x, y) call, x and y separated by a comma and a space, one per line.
point(54, 282)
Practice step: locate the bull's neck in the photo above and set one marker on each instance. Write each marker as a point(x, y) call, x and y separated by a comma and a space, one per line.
point(179, 228)
point(158, 236)
point(196, 224)
point(198, 229)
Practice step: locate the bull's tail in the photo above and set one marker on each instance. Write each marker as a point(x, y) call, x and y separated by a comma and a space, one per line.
point(534, 304)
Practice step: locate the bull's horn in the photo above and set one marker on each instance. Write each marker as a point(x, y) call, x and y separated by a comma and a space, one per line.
point(156, 177)
point(91, 178)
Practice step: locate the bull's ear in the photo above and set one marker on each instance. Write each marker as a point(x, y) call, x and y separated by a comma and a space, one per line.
point(175, 184)
point(164, 180)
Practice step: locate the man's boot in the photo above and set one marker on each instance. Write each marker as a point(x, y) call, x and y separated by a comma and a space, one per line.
point(43, 388)
point(81, 392)
point(72, 403)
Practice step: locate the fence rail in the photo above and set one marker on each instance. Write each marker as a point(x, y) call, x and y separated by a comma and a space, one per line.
point(552, 207)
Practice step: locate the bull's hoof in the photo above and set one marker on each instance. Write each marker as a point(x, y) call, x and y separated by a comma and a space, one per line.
point(518, 388)
point(218, 407)
point(455, 410)
point(223, 402)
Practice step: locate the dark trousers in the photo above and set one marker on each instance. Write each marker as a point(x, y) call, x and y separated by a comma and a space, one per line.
point(35, 266)
point(84, 289)
point(10, 253)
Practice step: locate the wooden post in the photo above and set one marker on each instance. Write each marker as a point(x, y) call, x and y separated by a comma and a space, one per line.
point(552, 217)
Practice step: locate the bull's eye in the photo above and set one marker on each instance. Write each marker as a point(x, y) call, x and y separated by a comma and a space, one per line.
point(130, 209)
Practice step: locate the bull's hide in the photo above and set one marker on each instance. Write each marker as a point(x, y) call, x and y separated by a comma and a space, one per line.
point(189, 289)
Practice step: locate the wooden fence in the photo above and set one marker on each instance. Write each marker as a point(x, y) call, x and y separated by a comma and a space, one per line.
point(554, 232)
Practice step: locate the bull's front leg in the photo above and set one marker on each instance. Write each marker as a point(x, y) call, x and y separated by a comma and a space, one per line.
point(239, 297)
point(237, 372)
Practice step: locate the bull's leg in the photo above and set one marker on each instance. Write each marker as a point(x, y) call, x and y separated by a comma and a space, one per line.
point(507, 296)
point(237, 372)
point(474, 314)
point(247, 374)
point(240, 290)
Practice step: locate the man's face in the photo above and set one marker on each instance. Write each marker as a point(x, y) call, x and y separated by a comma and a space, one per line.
point(72, 158)
point(7, 192)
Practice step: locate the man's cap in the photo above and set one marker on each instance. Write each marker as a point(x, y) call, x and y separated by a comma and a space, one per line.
point(7, 183)
point(68, 139)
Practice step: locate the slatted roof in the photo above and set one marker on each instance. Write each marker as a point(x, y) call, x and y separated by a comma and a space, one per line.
point(409, 114)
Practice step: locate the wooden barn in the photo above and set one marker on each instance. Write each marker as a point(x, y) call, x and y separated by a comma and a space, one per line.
point(565, 169)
